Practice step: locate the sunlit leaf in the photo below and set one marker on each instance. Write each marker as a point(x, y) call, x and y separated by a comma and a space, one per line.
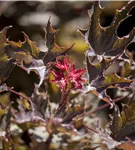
point(123, 123)
point(3, 44)
point(50, 34)
point(55, 52)
point(39, 67)
point(39, 111)
point(27, 46)
point(126, 146)
point(27, 116)
point(4, 123)
point(114, 79)
point(30, 46)
point(104, 40)
point(96, 67)
point(40, 103)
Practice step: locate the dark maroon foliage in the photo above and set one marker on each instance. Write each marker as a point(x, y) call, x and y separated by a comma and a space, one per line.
point(70, 122)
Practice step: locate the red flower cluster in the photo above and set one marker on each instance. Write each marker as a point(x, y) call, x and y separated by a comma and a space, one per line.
point(67, 74)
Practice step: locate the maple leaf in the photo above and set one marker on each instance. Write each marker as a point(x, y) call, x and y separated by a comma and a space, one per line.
point(104, 40)
point(105, 48)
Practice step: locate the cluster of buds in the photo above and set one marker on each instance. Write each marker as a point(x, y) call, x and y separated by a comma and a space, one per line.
point(67, 75)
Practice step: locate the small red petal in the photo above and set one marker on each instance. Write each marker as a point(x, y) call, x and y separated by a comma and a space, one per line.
point(63, 84)
point(58, 75)
point(67, 63)
point(79, 72)
point(77, 84)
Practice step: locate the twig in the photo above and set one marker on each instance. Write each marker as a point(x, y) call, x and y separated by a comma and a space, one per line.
point(11, 90)
point(68, 118)
point(63, 102)
point(93, 58)
point(106, 105)
point(48, 141)
point(91, 129)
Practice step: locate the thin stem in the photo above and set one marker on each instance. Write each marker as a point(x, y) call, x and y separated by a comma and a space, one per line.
point(93, 58)
point(47, 143)
point(63, 102)
point(11, 90)
point(70, 117)
point(91, 129)
point(106, 105)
